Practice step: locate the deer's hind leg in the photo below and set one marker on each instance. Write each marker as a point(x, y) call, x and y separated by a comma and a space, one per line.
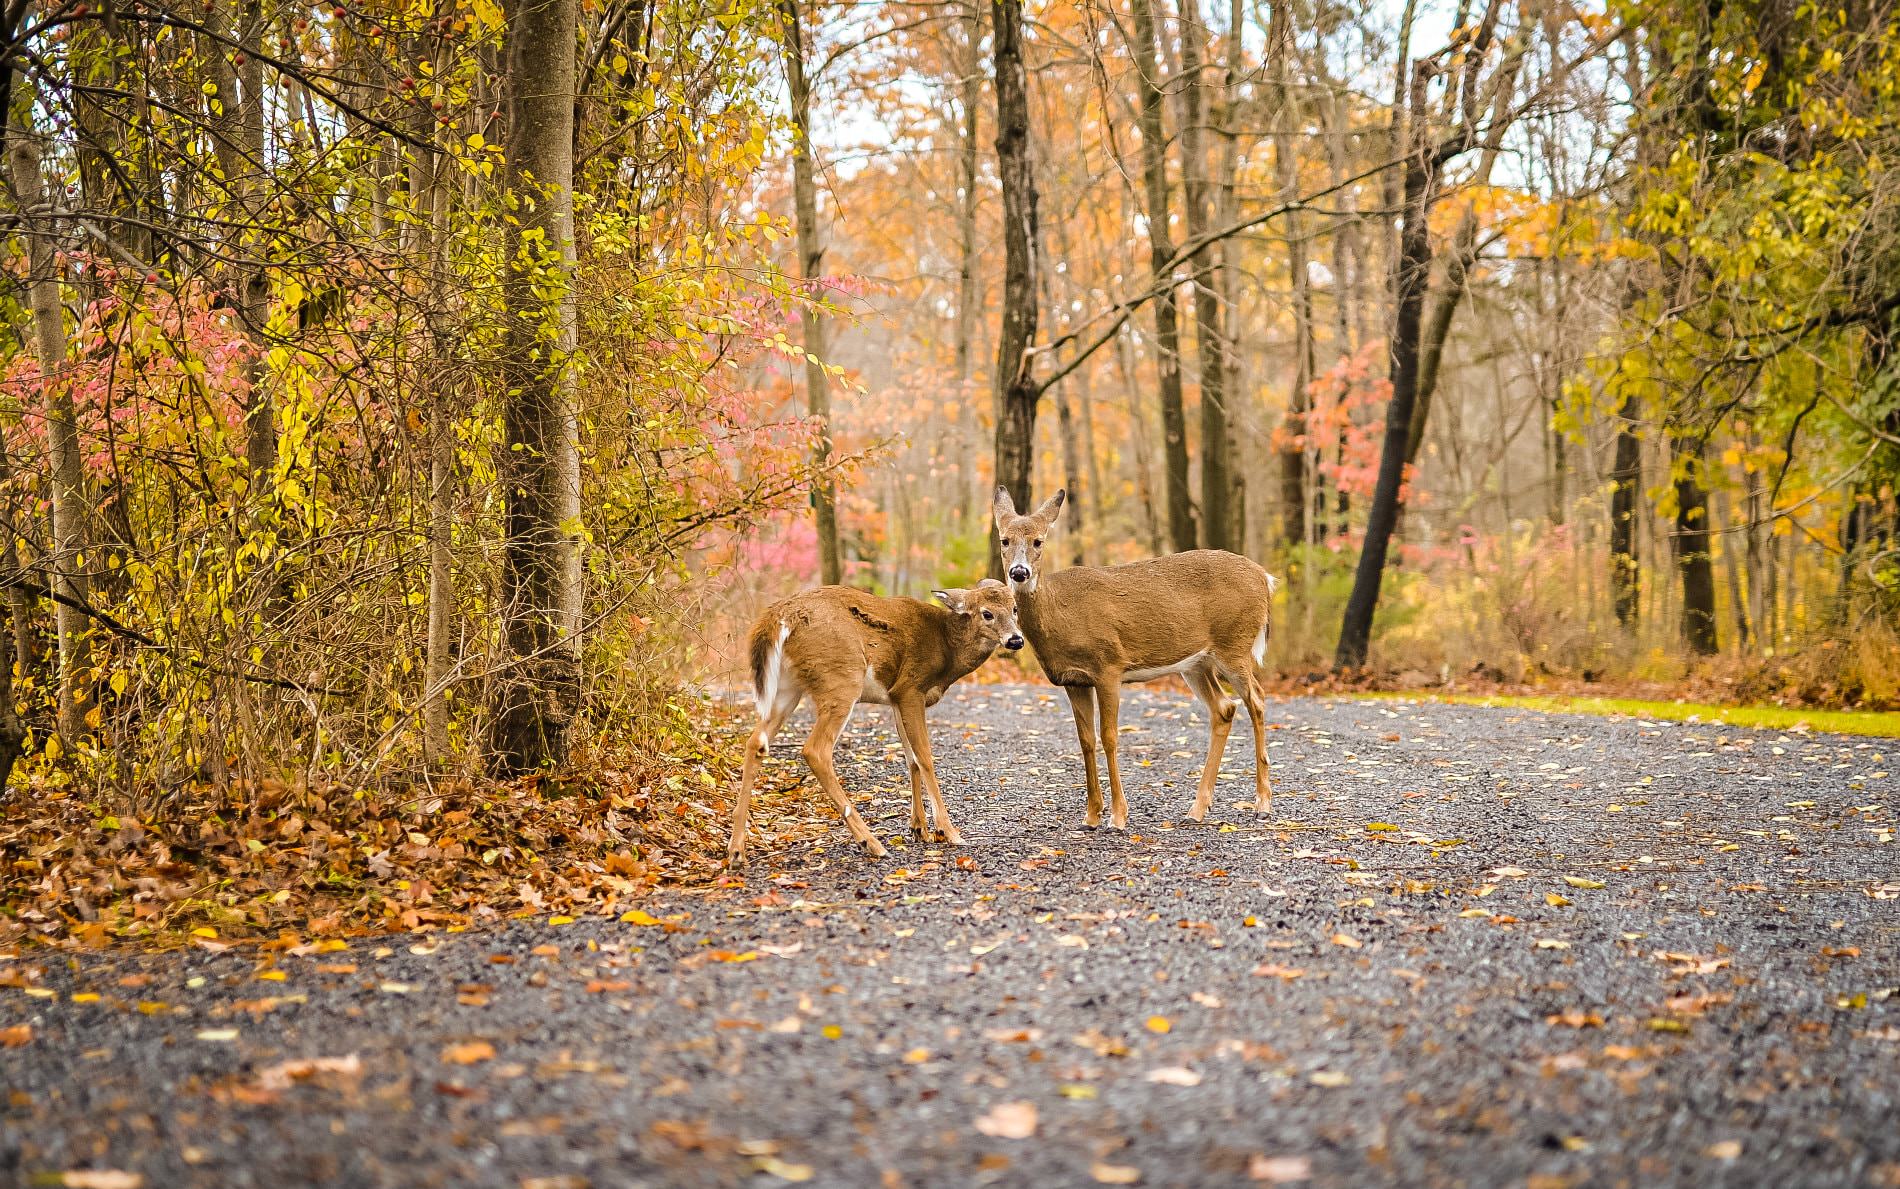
point(919, 830)
point(834, 707)
point(757, 747)
point(1220, 721)
point(1248, 677)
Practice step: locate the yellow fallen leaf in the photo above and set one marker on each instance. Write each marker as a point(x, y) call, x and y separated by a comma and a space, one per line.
point(560, 920)
point(1076, 1090)
point(1555, 900)
point(272, 976)
point(1114, 1174)
point(1160, 1024)
point(218, 1034)
point(85, 996)
point(917, 1056)
point(100, 1178)
point(784, 1171)
point(1381, 828)
point(1552, 943)
point(638, 917)
point(1578, 881)
point(1331, 1079)
point(1727, 1149)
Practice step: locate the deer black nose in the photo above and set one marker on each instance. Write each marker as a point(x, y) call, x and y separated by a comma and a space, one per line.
point(1014, 643)
point(1019, 573)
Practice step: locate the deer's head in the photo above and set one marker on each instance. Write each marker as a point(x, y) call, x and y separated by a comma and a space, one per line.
point(990, 609)
point(1020, 538)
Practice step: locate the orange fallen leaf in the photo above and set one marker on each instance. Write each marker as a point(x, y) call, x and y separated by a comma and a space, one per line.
point(18, 1036)
point(1114, 1174)
point(1347, 940)
point(469, 1052)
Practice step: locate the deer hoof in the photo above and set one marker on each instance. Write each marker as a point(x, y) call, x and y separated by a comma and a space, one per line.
point(952, 837)
point(735, 860)
point(875, 848)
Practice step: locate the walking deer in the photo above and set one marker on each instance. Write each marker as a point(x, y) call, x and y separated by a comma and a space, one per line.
point(1203, 614)
point(842, 646)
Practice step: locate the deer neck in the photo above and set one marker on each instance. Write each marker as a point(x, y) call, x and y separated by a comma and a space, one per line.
point(1037, 609)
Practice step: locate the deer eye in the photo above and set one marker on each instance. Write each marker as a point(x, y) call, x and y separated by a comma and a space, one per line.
point(1038, 542)
point(988, 615)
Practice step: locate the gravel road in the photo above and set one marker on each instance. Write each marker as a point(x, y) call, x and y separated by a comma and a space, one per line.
point(1471, 947)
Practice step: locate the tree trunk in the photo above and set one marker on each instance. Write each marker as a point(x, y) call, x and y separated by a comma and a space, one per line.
point(1154, 173)
point(1217, 525)
point(811, 256)
point(969, 499)
point(1732, 571)
point(1295, 480)
point(1414, 270)
point(1626, 479)
point(239, 142)
point(439, 659)
point(71, 535)
point(538, 696)
point(1692, 553)
point(1017, 394)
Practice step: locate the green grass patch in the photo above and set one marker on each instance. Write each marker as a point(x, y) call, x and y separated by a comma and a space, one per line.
point(1765, 718)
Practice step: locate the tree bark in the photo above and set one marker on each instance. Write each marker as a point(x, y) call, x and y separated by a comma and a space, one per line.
point(1692, 552)
point(1295, 479)
point(538, 696)
point(969, 498)
point(238, 137)
point(811, 256)
point(1626, 480)
point(439, 658)
point(1154, 172)
point(1017, 393)
point(71, 527)
point(1217, 523)
point(1414, 269)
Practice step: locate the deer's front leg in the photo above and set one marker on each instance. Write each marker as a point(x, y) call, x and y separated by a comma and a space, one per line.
point(1082, 705)
point(918, 832)
point(910, 713)
point(1108, 703)
point(832, 713)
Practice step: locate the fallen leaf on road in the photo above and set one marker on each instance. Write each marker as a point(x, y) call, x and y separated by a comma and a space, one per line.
point(638, 917)
point(17, 1036)
point(285, 1074)
point(1509, 872)
point(1347, 940)
point(218, 1034)
point(1160, 1024)
point(1114, 1174)
point(1009, 1120)
point(1331, 1079)
point(101, 1178)
point(1552, 943)
point(1174, 1075)
point(1575, 1019)
point(1280, 1170)
point(469, 1052)
point(782, 951)
point(916, 1056)
point(1275, 970)
point(1728, 1149)
point(1577, 881)
point(781, 1169)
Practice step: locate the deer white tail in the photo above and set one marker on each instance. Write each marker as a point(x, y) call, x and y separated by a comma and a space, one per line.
point(767, 671)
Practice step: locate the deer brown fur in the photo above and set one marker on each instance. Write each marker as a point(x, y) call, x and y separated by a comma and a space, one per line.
point(1204, 614)
point(840, 646)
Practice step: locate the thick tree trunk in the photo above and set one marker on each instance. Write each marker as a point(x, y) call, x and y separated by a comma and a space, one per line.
point(1414, 270)
point(811, 256)
point(71, 522)
point(1217, 525)
point(1017, 394)
point(538, 696)
point(1626, 480)
point(1154, 173)
point(1692, 553)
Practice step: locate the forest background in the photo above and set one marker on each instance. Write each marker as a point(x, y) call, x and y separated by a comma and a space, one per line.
point(408, 403)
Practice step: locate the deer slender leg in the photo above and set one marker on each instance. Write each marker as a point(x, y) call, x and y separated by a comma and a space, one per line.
point(1108, 705)
point(1253, 693)
point(1220, 721)
point(910, 713)
point(918, 831)
point(755, 752)
point(832, 712)
point(1082, 705)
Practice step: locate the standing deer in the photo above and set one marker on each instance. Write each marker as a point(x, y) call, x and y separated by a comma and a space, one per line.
point(1203, 614)
point(843, 646)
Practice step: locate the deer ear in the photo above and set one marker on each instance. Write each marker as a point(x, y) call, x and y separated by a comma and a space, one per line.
point(1052, 506)
point(1004, 508)
point(952, 599)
